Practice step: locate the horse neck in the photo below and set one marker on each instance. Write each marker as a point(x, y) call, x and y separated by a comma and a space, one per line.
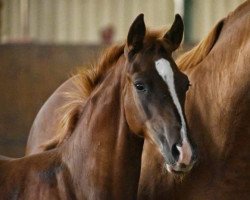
point(103, 155)
point(220, 91)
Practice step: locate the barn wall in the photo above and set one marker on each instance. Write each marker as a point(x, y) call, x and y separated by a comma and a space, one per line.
point(29, 74)
point(204, 15)
point(71, 21)
point(80, 21)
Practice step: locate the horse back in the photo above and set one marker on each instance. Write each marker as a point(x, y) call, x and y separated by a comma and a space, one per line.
point(44, 126)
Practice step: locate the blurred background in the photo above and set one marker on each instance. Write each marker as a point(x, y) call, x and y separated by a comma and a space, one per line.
point(44, 41)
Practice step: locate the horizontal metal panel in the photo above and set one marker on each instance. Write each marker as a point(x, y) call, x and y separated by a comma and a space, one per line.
point(81, 21)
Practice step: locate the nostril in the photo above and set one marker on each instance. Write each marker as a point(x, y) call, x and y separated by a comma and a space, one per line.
point(175, 152)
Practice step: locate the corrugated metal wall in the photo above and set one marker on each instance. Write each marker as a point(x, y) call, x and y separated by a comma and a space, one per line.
point(80, 21)
point(204, 15)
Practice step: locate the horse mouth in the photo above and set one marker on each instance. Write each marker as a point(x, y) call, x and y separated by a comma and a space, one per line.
point(178, 170)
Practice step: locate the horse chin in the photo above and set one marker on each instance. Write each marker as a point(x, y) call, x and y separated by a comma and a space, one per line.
point(178, 170)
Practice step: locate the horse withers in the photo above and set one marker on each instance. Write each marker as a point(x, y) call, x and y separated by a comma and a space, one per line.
point(134, 93)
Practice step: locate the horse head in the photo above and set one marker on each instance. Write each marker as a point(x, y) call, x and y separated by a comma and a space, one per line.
point(155, 94)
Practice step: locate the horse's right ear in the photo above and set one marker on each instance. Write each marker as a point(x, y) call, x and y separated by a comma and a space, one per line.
point(175, 34)
point(136, 36)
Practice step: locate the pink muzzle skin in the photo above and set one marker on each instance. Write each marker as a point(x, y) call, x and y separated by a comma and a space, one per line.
point(185, 156)
point(184, 163)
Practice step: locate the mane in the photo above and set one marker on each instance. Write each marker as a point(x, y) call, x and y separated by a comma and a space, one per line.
point(85, 81)
point(193, 57)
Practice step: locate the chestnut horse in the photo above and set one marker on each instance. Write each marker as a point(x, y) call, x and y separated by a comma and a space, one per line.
point(123, 107)
point(217, 107)
point(218, 112)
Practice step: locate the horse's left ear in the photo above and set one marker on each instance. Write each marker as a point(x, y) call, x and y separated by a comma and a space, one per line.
point(175, 34)
point(136, 36)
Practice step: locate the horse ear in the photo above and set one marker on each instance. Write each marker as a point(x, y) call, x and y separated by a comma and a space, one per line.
point(136, 35)
point(175, 34)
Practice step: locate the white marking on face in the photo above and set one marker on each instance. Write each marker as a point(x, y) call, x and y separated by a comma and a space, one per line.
point(166, 72)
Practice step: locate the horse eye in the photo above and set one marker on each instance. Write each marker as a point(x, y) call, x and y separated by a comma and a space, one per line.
point(140, 86)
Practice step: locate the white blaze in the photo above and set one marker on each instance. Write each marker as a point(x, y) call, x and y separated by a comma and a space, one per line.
point(165, 71)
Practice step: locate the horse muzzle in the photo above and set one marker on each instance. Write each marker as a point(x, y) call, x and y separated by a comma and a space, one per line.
point(187, 157)
point(179, 168)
